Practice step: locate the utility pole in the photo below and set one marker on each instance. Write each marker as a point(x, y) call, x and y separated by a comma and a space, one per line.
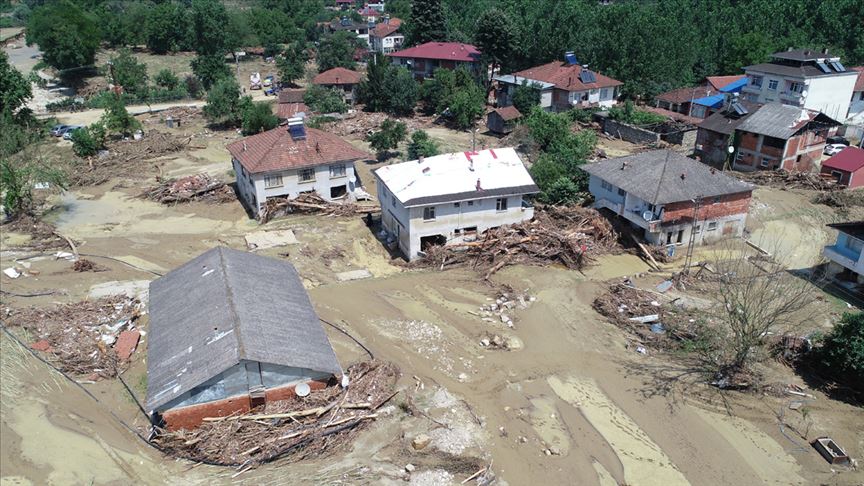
point(688, 260)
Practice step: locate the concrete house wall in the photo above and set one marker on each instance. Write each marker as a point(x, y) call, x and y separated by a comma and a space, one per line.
point(828, 94)
point(254, 191)
point(712, 146)
point(843, 255)
point(797, 153)
point(388, 44)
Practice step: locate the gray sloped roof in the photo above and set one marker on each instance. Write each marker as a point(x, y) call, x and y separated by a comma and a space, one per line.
point(225, 306)
point(782, 121)
point(726, 122)
point(655, 177)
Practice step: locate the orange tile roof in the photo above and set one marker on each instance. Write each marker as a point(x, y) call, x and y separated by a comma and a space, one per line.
point(508, 113)
point(383, 30)
point(566, 76)
point(684, 95)
point(718, 82)
point(289, 110)
point(859, 85)
point(338, 75)
point(276, 150)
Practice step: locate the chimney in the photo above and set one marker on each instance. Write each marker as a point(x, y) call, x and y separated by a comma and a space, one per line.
point(825, 51)
point(479, 188)
point(471, 165)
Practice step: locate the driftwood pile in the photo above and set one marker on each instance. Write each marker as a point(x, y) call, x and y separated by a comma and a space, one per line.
point(840, 199)
point(198, 187)
point(79, 338)
point(43, 235)
point(299, 427)
point(568, 235)
point(786, 180)
point(123, 157)
point(310, 203)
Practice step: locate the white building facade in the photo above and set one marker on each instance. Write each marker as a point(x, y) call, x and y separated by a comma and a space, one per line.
point(846, 255)
point(452, 198)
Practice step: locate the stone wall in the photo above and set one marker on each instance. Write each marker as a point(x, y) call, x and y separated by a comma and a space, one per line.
point(629, 132)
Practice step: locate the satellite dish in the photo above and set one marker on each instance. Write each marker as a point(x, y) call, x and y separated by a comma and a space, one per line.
point(804, 93)
point(302, 390)
point(352, 179)
point(730, 149)
point(647, 215)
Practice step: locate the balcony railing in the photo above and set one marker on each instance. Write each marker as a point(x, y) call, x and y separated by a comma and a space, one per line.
point(844, 256)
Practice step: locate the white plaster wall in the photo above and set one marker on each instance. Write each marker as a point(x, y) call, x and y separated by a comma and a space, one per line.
point(831, 95)
point(291, 185)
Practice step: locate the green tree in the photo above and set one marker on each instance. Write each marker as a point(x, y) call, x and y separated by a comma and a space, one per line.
point(17, 180)
point(224, 104)
point(403, 91)
point(421, 146)
point(209, 69)
point(14, 88)
point(842, 349)
point(117, 120)
point(495, 38)
point(325, 100)
point(427, 22)
point(66, 34)
point(88, 141)
point(371, 91)
point(526, 96)
point(746, 49)
point(291, 64)
point(165, 28)
point(388, 136)
point(257, 118)
point(209, 23)
point(167, 79)
point(337, 50)
point(561, 191)
point(467, 106)
point(129, 73)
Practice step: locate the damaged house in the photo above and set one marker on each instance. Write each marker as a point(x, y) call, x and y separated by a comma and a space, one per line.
point(452, 198)
point(669, 198)
point(292, 160)
point(230, 331)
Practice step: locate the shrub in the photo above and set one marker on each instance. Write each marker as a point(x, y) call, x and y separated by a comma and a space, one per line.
point(842, 349)
point(388, 136)
point(421, 145)
point(167, 79)
point(325, 100)
point(88, 141)
point(629, 114)
point(258, 117)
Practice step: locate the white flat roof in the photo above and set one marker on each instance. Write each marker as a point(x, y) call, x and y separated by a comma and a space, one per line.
point(518, 80)
point(456, 177)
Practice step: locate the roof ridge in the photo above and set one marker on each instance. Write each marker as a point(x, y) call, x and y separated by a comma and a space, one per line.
point(241, 348)
point(660, 181)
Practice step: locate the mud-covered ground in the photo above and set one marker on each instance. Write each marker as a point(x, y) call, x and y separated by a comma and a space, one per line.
point(569, 403)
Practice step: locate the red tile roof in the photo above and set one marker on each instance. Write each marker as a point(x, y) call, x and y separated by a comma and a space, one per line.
point(443, 51)
point(685, 95)
point(859, 85)
point(508, 113)
point(290, 110)
point(718, 82)
point(337, 75)
point(850, 159)
point(291, 95)
point(566, 76)
point(383, 30)
point(276, 150)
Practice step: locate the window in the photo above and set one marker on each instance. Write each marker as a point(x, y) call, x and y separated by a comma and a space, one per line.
point(765, 161)
point(622, 192)
point(697, 229)
point(456, 205)
point(772, 84)
point(470, 203)
point(716, 200)
point(604, 93)
point(337, 170)
point(501, 204)
point(392, 200)
point(429, 213)
point(796, 87)
point(307, 175)
point(606, 185)
point(756, 81)
point(773, 142)
point(712, 226)
point(272, 181)
point(854, 244)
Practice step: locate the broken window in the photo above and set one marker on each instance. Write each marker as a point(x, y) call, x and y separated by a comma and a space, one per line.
point(501, 204)
point(337, 170)
point(429, 213)
point(307, 175)
point(272, 181)
point(456, 205)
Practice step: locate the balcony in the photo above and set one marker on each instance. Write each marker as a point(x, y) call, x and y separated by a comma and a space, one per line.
point(752, 88)
point(845, 257)
point(792, 96)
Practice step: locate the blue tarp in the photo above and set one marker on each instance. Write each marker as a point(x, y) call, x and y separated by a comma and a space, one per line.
point(714, 101)
point(734, 86)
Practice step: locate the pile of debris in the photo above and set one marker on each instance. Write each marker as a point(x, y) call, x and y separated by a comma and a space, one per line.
point(122, 158)
point(180, 115)
point(300, 427)
point(310, 203)
point(505, 302)
point(785, 180)
point(640, 313)
point(568, 235)
point(840, 199)
point(43, 235)
point(198, 187)
point(363, 123)
point(95, 337)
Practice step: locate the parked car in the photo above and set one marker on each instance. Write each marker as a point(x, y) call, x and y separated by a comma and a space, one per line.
point(67, 135)
point(268, 81)
point(272, 91)
point(59, 130)
point(834, 148)
point(838, 140)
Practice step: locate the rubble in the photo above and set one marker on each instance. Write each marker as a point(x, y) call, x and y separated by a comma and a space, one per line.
point(506, 299)
point(420, 442)
point(567, 235)
point(784, 180)
point(310, 204)
point(308, 426)
point(123, 158)
point(198, 187)
point(78, 337)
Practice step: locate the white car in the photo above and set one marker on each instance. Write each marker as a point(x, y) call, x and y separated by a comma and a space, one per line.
point(834, 148)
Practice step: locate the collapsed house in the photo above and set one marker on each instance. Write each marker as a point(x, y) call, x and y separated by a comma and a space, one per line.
point(230, 331)
point(291, 160)
point(699, 101)
point(452, 198)
point(670, 199)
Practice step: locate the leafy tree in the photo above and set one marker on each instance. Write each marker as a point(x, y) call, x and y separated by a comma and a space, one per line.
point(165, 29)
point(495, 38)
point(403, 91)
point(371, 91)
point(257, 118)
point(325, 100)
point(526, 96)
point(337, 50)
point(291, 64)
point(388, 136)
point(17, 180)
point(547, 128)
point(67, 35)
point(14, 88)
point(427, 22)
point(210, 68)
point(630, 114)
point(438, 93)
point(209, 23)
point(466, 106)
point(842, 349)
point(117, 120)
point(562, 191)
point(746, 49)
point(167, 79)
point(224, 104)
point(561, 153)
point(193, 86)
point(88, 141)
point(129, 73)
point(421, 146)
